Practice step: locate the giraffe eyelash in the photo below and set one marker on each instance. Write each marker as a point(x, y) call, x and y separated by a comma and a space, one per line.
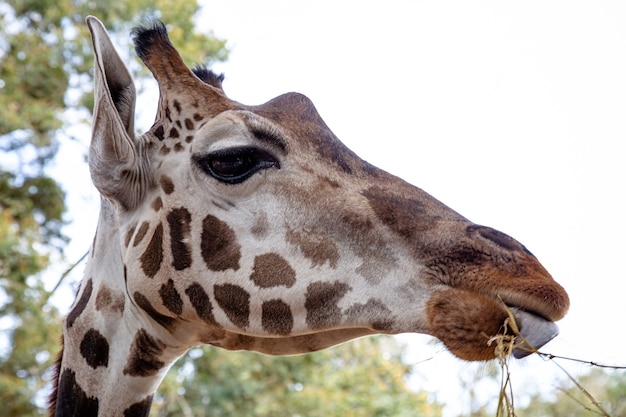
point(235, 165)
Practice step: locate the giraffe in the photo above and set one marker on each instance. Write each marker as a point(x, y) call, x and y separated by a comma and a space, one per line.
point(255, 228)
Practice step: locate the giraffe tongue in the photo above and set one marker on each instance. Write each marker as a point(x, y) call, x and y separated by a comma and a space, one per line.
point(536, 330)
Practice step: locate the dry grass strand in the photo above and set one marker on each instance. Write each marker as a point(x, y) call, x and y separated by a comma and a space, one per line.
point(506, 344)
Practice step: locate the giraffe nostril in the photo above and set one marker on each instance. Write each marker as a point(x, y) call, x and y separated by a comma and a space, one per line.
point(500, 239)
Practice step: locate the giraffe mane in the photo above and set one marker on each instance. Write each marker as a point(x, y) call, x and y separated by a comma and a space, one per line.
point(56, 372)
point(208, 76)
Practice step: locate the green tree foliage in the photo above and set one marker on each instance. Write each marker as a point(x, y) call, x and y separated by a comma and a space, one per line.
point(362, 378)
point(31, 212)
point(607, 388)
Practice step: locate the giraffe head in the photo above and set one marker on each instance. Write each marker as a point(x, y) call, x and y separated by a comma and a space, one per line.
point(254, 227)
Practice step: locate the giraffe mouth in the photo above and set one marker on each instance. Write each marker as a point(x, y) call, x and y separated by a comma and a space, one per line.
point(466, 322)
point(535, 330)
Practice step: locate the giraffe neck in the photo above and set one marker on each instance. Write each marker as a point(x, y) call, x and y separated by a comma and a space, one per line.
point(114, 355)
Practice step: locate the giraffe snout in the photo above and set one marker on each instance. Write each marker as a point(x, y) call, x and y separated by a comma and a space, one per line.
point(492, 263)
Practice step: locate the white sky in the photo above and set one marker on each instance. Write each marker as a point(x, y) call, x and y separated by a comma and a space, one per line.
point(511, 113)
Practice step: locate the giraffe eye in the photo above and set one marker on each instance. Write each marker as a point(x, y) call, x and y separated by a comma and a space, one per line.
point(235, 165)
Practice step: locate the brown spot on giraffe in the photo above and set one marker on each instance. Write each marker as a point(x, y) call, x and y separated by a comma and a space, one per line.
point(356, 221)
point(401, 214)
point(319, 249)
point(321, 303)
point(272, 270)
point(164, 150)
point(378, 261)
point(201, 303)
point(235, 301)
point(189, 124)
point(106, 300)
point(179, 220)
point(153, 255)
point(260, 228)
point(80, 304)
point(171, 298)
point(174, 133)
point(276, 317)
point(140, 409)
point(159, 132)
point(379, 314)
point(95, 349)
point(146, 306)
point(129, 235)
point(327, 182)
point(72, 400)
point(167, 185)
point(157, 204)
point(178, 147)
point(141, 233)
point(219, 246)
point(144, 355)
point(103, 298)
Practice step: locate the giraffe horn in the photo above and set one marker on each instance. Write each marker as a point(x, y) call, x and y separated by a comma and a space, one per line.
point(153, 46)
point(112, 154)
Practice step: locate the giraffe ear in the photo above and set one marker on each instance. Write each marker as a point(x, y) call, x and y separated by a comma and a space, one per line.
point(112, 154)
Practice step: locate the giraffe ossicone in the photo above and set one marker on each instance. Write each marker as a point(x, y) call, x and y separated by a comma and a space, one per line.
point(254, 227)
